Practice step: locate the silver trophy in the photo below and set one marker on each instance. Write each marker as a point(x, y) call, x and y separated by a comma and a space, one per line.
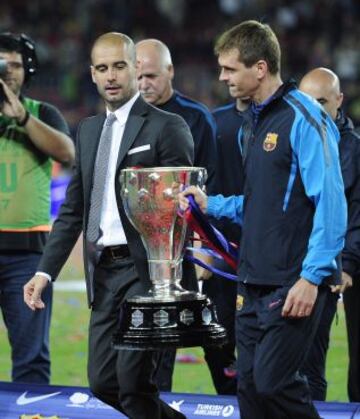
point(168, 315)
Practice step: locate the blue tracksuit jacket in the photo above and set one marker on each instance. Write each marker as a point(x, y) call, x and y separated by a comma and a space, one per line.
point(293, 209)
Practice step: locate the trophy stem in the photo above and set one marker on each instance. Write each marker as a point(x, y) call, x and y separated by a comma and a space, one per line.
point(165, 276)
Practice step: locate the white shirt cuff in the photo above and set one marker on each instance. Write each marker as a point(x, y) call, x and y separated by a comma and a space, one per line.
point(45, 275)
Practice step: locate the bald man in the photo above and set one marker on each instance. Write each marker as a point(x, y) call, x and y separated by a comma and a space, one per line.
point(130, 133)
point(155, 74)
point(324, 86)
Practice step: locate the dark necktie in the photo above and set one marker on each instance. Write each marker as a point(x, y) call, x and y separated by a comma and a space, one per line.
point(100, 172)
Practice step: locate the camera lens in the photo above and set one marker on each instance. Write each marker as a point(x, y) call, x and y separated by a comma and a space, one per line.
point(3, 97)
point(3, 66)
point(3, 69)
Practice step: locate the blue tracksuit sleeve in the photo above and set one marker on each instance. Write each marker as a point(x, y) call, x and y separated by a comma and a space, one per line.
point(318, 158)
point(230, 207)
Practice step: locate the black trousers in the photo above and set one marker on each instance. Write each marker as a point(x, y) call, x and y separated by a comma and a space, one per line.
point(271, 351)
point(352, 311)
point(122, 379)
point(315, 363)
point(222, 360)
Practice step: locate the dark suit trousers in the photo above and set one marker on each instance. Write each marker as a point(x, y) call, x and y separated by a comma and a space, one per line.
point(122, 379)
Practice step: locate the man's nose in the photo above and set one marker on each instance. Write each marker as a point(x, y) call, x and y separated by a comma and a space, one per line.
point(111, 74)
point(223, 75)
point(143, 83)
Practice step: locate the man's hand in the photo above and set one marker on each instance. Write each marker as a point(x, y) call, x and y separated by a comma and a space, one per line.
point(199, 196)
point(346, 282)
point(33, 290)
point(203, 274)
point(300, 299)
point(12, 107)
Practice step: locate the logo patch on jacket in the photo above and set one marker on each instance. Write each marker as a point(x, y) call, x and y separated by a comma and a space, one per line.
point(239, 302)
point(270, 141)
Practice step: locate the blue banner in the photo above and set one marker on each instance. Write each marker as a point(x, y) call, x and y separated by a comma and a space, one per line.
point(58, 192)
point(59, 402)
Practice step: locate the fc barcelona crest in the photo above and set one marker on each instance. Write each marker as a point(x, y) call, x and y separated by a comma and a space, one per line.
point(239, 302)
point(270, 141)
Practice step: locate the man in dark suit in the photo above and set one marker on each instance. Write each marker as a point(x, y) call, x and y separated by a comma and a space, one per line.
point(115, 261)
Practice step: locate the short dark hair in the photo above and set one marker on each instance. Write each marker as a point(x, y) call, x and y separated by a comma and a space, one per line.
point(254, 41)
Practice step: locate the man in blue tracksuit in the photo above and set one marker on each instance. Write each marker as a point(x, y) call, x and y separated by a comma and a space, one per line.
point(155, 73)
point(293, 215)
point(324, 86)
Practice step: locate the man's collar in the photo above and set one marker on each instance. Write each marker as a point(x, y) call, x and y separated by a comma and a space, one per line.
point(122, 113)
point(280, 92)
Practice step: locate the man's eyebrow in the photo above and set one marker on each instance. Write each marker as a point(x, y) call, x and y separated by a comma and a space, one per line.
point(121, 62)
point(149, 73)
point(11, 61)
point(227, 67)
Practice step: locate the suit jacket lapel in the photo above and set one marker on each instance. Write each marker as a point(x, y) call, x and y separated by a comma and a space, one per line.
point(91, 138)
point(133, 125)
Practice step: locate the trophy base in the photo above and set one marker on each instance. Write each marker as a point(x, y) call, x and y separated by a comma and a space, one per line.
point(149, 324)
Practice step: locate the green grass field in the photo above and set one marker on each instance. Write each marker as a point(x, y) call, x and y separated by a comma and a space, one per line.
point(69, 348)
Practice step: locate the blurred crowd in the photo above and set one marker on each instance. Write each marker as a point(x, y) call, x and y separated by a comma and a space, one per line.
point(312, 33)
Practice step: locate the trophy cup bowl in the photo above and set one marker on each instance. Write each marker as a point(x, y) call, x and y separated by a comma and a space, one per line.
point(168, 315)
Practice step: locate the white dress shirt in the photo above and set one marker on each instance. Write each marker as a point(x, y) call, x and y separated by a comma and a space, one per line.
point(110, 223)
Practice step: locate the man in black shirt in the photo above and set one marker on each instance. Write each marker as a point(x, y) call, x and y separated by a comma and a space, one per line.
point(324, 86)
point(155, 73)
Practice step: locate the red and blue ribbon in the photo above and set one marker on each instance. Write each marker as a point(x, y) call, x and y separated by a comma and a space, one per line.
point(212, 238)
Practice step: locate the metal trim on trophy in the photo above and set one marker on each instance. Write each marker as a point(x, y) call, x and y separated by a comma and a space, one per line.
point(168, 315)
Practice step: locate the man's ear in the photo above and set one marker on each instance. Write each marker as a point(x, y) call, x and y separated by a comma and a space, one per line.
point(340, 99)
point(171, 71)
point(262, 69)
point(92, 71)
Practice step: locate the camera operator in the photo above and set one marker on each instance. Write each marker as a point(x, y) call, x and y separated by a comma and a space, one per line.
point(32, 135)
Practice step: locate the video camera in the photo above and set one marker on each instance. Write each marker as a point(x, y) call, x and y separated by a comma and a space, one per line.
point(3, 66)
